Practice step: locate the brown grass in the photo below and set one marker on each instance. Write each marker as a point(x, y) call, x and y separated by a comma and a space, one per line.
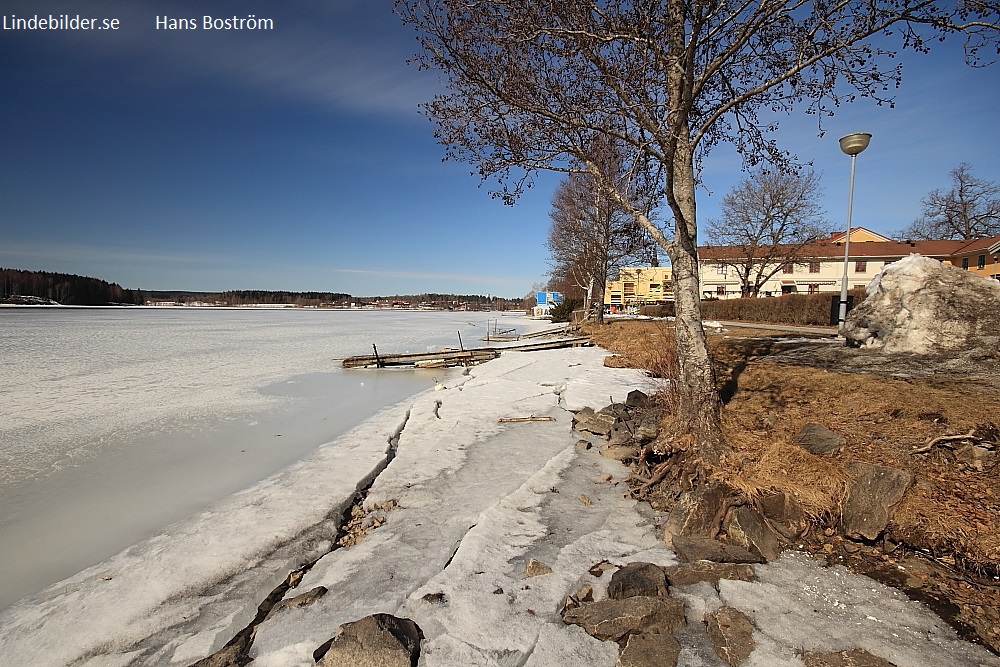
point(953, 510)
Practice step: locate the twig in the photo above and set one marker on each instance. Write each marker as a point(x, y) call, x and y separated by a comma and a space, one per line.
point(944, 439)
point(511, 420)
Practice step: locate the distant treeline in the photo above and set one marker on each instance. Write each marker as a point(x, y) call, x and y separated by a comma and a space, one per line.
point(75, 290)
point(250, 297)
point(470, 301)
point(64, 288)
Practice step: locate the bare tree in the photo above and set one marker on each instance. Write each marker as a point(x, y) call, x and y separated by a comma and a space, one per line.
point(768, 219)
point(970, 209)
point(592, 235)
point(530, 83)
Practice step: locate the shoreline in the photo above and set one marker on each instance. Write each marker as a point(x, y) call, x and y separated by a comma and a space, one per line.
point(458, 515)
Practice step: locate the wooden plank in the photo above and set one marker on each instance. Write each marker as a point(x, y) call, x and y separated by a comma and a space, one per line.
point(445, 357)
point(477, 354)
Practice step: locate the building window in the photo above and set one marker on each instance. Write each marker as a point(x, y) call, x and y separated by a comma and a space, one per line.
point(965, 263)
point(720, 290)
point(721, 269)
point(860, 267)
point(787, 267)
point(981, 262)
point(813, 267)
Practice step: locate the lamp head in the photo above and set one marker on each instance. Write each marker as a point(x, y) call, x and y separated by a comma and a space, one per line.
point(854, 143)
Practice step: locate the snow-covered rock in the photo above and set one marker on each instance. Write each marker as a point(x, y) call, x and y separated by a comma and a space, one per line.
point(919, 305)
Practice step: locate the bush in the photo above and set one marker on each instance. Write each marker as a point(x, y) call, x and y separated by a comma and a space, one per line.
point(806, 309)
point(562, 312)
point(664, 310)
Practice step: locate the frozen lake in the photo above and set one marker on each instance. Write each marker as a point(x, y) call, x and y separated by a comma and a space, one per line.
point(115, 423)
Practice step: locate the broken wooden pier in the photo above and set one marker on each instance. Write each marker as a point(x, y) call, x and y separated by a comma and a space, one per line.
point(467, 357)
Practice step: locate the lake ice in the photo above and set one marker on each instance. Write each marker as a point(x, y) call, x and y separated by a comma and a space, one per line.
point(116, 422)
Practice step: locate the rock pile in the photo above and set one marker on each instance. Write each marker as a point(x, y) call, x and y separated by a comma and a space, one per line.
point(625, 427)
point(645, 613)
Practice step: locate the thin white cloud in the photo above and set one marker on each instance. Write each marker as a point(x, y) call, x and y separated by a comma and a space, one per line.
point(16, 252)
point(315, 54)
point(421, 275)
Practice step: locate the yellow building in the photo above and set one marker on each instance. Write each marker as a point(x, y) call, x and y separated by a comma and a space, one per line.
point(638, 285)
point(819, 270)
point(980, 256)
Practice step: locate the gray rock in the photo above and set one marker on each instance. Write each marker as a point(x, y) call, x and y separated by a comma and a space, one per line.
point(697, 513)
point(747, 528)
point(583, 444)
point(582, 416)
point(784, 514)
point(818, 439)
point(921, 306)
point(873, 491)
point(650, 649)
point(638, 579)
point(622, 432)
point(647, 429)
point(380, 640)
point(614, 619)
point(979, 458)
point(856, 657)
point(233, 655)
point(732, 635)
point(691, 549)
point(686, 574)
point(636, 399)
point(600, 423)
point(619, 452)
point(303, 600)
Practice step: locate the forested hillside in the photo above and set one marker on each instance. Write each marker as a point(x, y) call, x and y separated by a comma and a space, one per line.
point(63, 288)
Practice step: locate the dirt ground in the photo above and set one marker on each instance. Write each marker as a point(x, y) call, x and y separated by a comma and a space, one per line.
point(942, 546)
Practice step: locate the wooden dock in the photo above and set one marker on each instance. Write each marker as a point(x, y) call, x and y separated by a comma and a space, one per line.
point(467, 357)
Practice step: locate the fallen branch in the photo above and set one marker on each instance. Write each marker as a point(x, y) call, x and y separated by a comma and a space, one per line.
point(513, 420)
point(943, 440)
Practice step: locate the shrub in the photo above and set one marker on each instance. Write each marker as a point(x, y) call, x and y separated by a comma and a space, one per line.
point(562, 312)
point(806, 309)
point(664, 310)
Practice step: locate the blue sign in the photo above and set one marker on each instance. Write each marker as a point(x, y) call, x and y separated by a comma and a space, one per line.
point(549, 298)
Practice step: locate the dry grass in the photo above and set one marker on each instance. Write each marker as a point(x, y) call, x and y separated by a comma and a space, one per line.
point(646, 344)
point(953, 510)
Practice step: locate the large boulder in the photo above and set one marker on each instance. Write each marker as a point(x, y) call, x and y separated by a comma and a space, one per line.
point(614, 620)
point(921, 306)
point(379, 640)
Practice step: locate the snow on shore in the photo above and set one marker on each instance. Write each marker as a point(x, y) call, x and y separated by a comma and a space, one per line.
point(475, 500)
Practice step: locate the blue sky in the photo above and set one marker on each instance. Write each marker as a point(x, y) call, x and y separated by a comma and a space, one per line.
point(296, 159)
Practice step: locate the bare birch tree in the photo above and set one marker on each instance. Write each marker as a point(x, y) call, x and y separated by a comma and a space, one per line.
point(592, 235)
point(531, 83)
point(768, 219)
point(969, 209)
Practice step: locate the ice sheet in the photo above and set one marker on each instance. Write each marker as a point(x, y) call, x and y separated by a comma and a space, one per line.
point(115, 423)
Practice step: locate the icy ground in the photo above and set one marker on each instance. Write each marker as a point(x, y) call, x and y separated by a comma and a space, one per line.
point(117, 422)
point(475, 499)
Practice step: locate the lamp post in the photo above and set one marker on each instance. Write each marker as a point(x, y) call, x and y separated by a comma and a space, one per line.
point(852, 144)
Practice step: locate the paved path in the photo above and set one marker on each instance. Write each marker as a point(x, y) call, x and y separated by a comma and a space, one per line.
point(788, 328)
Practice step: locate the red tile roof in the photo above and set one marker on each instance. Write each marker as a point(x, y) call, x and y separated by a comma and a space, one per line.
point(870, 249)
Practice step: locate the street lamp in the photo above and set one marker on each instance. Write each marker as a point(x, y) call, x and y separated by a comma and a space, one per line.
point(852, 144)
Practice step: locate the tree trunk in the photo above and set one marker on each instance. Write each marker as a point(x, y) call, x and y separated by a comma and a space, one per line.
point(597, 286)
point(699, 408)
